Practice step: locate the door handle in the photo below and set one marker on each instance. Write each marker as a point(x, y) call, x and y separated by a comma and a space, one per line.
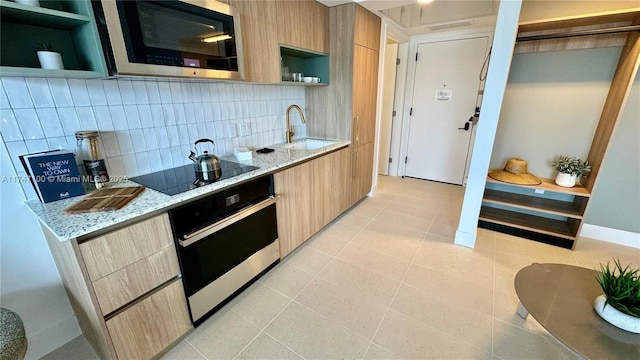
point(466, 127)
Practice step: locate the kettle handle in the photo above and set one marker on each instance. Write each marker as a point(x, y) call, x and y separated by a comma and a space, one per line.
point(203, 141)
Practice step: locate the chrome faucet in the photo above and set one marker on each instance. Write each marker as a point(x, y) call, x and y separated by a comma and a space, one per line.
point(289, 134)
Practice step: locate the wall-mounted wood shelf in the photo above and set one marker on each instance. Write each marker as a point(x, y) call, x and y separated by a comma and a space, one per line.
point(548, 185)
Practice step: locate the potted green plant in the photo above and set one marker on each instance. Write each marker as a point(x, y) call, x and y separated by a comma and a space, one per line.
point(49, 59)
point(569, 169)
point(620, 303)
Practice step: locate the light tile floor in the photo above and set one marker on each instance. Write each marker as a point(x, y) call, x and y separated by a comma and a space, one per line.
point(384, 281)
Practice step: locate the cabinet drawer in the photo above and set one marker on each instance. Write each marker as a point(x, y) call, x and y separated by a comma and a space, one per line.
point(145, 329)
point(128, 283)
point(114, 251)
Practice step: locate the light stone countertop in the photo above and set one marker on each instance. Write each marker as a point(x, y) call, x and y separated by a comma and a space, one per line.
point(70, 226)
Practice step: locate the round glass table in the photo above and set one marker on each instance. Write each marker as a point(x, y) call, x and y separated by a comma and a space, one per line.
point(560, 297)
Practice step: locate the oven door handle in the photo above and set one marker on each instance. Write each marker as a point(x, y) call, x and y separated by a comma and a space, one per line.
point(196, 236)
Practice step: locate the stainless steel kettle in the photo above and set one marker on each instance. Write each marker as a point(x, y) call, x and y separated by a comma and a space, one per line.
point(207, 166)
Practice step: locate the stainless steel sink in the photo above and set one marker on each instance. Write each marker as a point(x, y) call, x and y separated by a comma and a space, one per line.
point(309, 144)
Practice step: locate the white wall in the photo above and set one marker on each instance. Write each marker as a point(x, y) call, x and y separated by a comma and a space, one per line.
point(145, 126)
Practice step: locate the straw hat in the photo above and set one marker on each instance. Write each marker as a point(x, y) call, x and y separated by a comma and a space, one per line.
point(515, 172)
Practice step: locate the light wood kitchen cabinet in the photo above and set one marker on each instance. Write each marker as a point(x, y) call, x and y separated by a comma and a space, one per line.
point(354, 43)
point(125, 288)
point(367, 29)
point(267, 24)
point(361, 172)
point(365, 83)
point(330, 191)
point(293, 209)
point(312, 194)
point(303, 24)
point(146, 328)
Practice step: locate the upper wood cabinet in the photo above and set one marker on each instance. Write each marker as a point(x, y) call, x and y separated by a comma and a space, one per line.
point(303, 24)
point(367, 29)
point(259, 33)
point(267, 24)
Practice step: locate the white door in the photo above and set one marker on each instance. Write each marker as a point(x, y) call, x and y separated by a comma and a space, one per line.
point(388, 95)
point(445, 92)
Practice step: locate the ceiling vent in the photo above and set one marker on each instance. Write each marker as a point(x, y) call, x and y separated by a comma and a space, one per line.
point(450, 25)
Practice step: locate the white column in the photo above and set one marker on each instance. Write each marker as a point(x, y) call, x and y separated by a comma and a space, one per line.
point(502, 51)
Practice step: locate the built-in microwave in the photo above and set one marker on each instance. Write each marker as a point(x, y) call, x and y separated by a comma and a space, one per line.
point(175, 38)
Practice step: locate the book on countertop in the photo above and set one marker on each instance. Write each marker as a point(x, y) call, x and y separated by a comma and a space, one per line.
point(53, 174)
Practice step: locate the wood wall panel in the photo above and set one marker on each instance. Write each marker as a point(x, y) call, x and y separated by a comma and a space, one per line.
point(128, 283)
point(111, 252)
point(145, 329)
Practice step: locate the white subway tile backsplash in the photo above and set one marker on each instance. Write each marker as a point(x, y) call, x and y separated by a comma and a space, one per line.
point(103, 118)
point(126, 92)
point(60, 92)
point(189, 114)
point(138, 140)
point(146, 118)
point(144, 126)
point(29, 123)
point(142, 160)
point(125, 143)
point(166, 158)
point(17, 92)
point(140, 92)
point(152, 92)
point(110, 143)
point(155, 160)
point(96, 92)
point(165, 92)
point(51, 125)
point(132, 116)
point(4, 100)
point(40, 93)
point(130, 165)
point(176, 92)
point(15, 149)
point(172, 132)
point(69, 120)
point(115, 166)
point(118, 117)
point(158, 115)
point(79, 92)
point(86, 118)
point(180, 114)
point(38, 145)
point(112, 92)
point(9, 126)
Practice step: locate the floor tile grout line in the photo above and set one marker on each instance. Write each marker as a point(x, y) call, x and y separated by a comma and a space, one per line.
point(395, 295)
point(195, 348)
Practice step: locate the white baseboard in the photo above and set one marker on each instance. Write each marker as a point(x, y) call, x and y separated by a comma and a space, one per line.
point(615, 236)
point(52, 337)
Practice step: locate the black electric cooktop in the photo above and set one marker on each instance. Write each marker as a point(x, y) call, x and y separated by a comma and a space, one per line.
point(177, 180)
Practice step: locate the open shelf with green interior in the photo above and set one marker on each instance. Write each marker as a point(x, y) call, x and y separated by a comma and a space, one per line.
point(66, 26)
point(308, 62)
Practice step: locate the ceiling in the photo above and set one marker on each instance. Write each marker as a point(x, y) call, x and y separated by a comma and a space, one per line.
point(438, 16)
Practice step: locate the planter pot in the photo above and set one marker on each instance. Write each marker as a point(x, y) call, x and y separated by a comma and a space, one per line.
point(29, 2)
point(566, 180)
point(615, 317)
point(50, 60)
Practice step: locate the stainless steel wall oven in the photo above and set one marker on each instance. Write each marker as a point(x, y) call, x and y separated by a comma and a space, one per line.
point(225, 241)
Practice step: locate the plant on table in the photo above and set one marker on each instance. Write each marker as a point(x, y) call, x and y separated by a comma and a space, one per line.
point(621, 286)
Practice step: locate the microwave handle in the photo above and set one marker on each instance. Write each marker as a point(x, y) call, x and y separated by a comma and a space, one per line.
point(198, 235)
